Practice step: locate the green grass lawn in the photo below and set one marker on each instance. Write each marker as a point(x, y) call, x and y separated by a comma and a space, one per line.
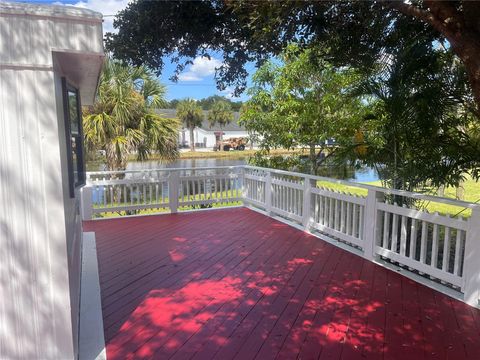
point(226, 194)
point(472, 194)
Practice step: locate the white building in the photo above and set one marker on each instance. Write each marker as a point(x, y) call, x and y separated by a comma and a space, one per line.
point(50, 58)
point(207, 136)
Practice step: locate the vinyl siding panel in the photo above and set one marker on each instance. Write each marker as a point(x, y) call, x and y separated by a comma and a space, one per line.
point(36, 312)
point(40, 230)
point(30, 40)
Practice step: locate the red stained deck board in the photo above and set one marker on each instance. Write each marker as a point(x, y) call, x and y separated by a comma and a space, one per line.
point(234, 283)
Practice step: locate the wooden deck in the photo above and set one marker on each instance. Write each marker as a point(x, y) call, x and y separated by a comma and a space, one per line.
point(233, 283)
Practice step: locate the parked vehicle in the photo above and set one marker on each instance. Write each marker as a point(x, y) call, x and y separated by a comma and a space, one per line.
point(232, 144)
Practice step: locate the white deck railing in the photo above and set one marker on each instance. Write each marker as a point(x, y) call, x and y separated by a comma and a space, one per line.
point(441, 247)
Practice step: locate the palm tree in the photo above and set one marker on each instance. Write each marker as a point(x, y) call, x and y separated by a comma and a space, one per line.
point(122, 120)
point(192, 115)
point(221, 114)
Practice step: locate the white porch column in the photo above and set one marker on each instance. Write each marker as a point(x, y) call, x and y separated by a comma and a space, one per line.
point(86, 203)
point(173, 187)
point(308, 184)
point(371, 222)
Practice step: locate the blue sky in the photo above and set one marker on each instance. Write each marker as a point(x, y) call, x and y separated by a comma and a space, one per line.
point(197, 81)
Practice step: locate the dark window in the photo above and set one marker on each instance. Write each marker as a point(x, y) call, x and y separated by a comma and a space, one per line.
point(73, 129)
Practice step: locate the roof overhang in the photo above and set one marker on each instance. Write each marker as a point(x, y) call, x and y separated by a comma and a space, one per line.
point(82, 69)
point(50, 11)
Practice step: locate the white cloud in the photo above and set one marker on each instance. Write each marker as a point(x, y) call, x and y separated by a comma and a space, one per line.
point(201, 68)
point(106, 7)
point(228, 93)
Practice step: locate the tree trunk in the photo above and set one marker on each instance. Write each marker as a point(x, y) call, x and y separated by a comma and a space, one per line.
point(192, 140)
point(313, 160)
point(467, 49)
point(221, 139)
point(460, 191)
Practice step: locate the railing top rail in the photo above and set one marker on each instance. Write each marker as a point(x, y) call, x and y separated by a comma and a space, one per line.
point(418, 196)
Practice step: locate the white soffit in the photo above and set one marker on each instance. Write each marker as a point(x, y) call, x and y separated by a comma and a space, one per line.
point(82, 70)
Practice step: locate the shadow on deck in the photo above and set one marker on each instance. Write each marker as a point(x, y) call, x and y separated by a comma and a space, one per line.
point(234, 283)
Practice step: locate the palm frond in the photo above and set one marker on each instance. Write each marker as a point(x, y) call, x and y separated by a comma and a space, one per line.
point(122, 119)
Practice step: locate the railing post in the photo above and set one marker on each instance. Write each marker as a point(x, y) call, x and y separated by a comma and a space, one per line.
point(371, 223)
point(86, 204)
point(268, 193)
point(173, 186)
point(471, 265)
point(308, 184)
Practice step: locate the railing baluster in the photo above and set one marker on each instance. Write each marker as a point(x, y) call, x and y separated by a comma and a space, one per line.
point(285, 197)
point(446, 250)
point(292, 200)
point(297, 199)
point(330, 213)
point(386, 229)
point(403, 236)
point(104, 190)
point(111, 196)
point(361, 219)
point(349, 218)
point(221, 189)
point(337, 214)
point(434, 259)
point(394, 233)
point(268, 193)
point(289, 199)
point(458, 247)
point(423, 243)
point(355, 220)
point(413, 239)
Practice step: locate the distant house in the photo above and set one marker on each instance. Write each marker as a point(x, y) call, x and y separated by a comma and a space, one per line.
point(206, 136)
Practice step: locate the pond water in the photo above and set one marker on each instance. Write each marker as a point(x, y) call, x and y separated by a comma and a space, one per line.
point(364, 174)
point(185, 163)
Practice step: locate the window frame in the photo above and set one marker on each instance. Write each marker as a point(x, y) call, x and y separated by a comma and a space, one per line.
point(73, 184)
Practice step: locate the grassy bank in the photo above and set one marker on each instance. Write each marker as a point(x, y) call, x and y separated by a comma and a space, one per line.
point(233, 154)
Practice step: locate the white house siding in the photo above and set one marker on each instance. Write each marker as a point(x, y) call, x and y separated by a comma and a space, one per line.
point(39, 232)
